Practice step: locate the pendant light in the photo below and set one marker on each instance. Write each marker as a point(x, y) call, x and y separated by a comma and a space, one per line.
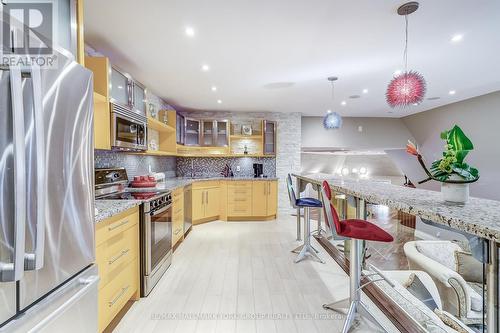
point(332, 120)
point(409, 87)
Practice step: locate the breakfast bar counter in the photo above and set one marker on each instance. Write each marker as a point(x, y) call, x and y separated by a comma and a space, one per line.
point(480, 217)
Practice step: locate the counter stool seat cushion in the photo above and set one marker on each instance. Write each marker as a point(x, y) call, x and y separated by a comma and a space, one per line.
point(308, 202)
point(361, 229)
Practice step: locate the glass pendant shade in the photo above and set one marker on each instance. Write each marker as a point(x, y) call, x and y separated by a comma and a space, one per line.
point(332, 120)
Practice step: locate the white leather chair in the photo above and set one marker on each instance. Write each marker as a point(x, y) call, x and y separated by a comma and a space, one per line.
point(457, 295)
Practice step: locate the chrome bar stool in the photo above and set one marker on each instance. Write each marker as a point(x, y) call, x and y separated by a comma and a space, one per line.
point(356, 230)
point(307, 204)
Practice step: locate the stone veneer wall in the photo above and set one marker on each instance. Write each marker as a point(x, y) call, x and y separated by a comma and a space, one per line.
point(210, 166)
point(289, 142)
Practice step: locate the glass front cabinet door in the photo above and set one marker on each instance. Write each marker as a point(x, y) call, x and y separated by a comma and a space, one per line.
point(119, 88)
point(139, 98)
point(269, 137)
point(208, 133)
point(192, 132)
point(222, 133)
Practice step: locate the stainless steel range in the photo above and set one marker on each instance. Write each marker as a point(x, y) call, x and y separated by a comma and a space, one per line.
point(155, 224)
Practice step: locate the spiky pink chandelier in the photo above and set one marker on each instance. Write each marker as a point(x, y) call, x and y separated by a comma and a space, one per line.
point(405, 89)
point(409, 87)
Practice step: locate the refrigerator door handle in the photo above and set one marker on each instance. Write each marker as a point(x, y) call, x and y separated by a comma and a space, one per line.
point(34, 261)
point(14, 271)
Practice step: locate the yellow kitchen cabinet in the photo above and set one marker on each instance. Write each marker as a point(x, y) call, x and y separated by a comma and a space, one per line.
point(177, 216)
point(239, 199)
point(205, 201)
point(198, 204)
point(259, 194)
point(117, 258)
point(272, 198)
point(212, 205)
point(102, 117)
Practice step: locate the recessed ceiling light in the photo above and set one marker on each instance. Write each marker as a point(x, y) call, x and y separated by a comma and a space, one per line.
point(397, 72)
point(189, 31)
point(219, 101)
point(205, 68)
point(415, 104)
point(365, 91)
point(343, 103)
point(328, 111)
point(214, 88)
point(120, 87)
point(452, 92)
point(457, 38)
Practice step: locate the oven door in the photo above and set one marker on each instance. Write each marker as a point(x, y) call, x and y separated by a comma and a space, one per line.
point(128, 133)
point(158, 238)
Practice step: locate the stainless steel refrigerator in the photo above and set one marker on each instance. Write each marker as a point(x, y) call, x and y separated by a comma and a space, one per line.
point(48, 281)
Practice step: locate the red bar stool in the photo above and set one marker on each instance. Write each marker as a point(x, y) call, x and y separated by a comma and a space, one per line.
point(357, 230)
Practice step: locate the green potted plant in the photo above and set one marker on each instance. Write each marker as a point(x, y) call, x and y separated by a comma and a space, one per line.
point(451, 170)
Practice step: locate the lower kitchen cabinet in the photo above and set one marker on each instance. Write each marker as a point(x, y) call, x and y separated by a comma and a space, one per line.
point(117, 258)
point(244, 200)
point(205, 201)
point(177, 216)
point(265, 198)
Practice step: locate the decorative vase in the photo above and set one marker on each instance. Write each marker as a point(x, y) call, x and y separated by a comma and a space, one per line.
point(457, 193)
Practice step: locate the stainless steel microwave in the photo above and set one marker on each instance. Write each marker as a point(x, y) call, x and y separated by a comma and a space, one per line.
point(128, 129)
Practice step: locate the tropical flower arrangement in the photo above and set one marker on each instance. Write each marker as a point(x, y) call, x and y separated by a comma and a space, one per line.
point(451, 168)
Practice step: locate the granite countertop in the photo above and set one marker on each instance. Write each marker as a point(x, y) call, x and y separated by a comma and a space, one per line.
point(171, 184)
point(108, 208)
point(479, 217)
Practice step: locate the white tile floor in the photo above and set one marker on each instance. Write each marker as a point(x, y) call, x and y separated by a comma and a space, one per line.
point(240, 277)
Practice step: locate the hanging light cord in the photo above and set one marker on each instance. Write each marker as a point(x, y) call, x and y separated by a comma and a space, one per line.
point(405, 53)
point(333, 95)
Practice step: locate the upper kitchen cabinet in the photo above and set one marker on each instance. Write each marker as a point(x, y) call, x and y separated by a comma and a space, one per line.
point(102, 116)
point(119, 87)
point(138, 97)
point(269, 137)
point(215, 133)
point(67, 17)
point(192, 134)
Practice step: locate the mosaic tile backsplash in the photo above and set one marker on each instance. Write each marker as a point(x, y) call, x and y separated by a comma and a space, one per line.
point(135, 165)
point(211, 167)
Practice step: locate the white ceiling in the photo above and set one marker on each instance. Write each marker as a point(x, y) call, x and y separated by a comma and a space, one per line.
point(254, 48)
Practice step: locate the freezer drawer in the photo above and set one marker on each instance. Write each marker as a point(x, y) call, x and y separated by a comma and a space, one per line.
point(71, 308)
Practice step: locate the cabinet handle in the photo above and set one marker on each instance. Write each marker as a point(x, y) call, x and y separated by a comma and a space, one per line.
point(207, 197)
point(115, 226)
point(123, 253)
point(114, 300)
point(203, 197)
point(240, 199)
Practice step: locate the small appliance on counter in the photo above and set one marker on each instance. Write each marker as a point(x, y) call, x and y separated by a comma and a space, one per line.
point(155, 219)
point(258, 170)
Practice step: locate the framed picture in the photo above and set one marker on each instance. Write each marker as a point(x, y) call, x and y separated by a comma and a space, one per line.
point(246, 129)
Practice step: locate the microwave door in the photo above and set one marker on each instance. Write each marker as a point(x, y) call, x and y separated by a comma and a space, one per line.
point(12, 208)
